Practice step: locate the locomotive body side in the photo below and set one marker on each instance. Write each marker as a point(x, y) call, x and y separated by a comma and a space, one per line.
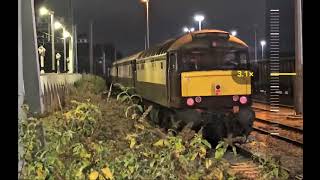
point(151, 82)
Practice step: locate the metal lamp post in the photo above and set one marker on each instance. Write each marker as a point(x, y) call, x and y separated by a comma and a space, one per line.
point(45, 11)
point(148, 35)
point(263, 43)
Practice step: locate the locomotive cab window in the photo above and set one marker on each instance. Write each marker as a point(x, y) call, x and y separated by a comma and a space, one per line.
point(218, 58)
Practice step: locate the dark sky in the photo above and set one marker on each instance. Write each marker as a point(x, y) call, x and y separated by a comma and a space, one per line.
point(123, 21)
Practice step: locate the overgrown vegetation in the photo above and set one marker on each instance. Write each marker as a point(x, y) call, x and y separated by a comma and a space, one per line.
point(131, 99)
point(271, 168)
point(93, 139)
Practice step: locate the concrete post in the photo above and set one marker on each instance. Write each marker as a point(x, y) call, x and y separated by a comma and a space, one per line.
point(75, 49)
point(20, 83)
point(298, 84)
point(71, 56)
point(31, 73)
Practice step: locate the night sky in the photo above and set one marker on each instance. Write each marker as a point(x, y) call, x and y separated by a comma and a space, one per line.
point(123, 21)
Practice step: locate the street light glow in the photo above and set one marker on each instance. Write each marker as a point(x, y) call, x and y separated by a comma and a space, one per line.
point(198, 17)
point(187, 30)
point(234, 33)
point(57, 25)
point(144, 1)
point(66, 34)
point(43, 11)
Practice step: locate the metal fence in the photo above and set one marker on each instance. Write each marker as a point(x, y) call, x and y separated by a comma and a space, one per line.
point(261, 79)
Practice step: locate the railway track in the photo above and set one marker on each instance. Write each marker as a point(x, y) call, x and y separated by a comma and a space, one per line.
point(266, 102)
point(243, 166)
point(277, 125)
point(286, 133)
point(255, 158)
point(289, 140)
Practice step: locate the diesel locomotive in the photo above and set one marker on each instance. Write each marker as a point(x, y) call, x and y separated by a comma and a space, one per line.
point(202, 79)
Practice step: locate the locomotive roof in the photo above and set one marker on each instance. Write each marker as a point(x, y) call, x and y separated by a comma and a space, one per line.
point(189, 37)
point(176, 43)
point(129, 58)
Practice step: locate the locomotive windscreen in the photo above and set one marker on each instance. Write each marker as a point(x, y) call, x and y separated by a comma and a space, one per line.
point(211, 36)
point(214, 59)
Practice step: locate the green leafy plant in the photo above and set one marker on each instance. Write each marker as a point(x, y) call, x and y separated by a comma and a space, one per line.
point(91, 83)
point(222, 147)
point(199, 147)
point(83, 117)
point(65, 155)
point(271, 168)
point(127, 96)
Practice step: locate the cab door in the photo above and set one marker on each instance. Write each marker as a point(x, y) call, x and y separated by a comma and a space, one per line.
point(134, 72)
point(173, 80)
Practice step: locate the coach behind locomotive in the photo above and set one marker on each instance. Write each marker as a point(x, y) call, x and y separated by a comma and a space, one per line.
point(201, 78)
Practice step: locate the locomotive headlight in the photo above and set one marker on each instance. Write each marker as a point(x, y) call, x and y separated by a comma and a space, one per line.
point(198, 99)
point(235, 98)
point(190, 102)
point(243, 100)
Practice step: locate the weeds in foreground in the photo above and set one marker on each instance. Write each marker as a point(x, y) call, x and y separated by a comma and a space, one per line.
point(271, 168)
point(128, 97)
point(75, 145)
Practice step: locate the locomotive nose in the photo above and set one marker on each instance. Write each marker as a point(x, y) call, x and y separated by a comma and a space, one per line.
point(213, 83)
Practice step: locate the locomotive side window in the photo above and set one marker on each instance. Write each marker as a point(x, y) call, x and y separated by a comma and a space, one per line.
point(173, 62)
point(153, 65)
point(243, 58)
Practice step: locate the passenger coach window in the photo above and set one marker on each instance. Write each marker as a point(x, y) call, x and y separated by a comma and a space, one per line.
point(129, 70)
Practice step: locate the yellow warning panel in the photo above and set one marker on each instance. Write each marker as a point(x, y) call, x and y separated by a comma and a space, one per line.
point(214, 83)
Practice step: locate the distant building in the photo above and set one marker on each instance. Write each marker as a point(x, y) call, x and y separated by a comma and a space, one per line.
point(98, 49)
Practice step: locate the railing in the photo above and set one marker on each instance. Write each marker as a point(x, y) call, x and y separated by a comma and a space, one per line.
point(55, 88)
point(261, 77)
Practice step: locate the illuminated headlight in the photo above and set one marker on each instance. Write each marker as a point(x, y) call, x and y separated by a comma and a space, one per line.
point(190, 102)
point(243, 100)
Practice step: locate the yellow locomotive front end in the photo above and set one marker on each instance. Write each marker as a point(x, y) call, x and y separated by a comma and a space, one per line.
point(200, 87)
point(210, 83)
point(214, 83)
